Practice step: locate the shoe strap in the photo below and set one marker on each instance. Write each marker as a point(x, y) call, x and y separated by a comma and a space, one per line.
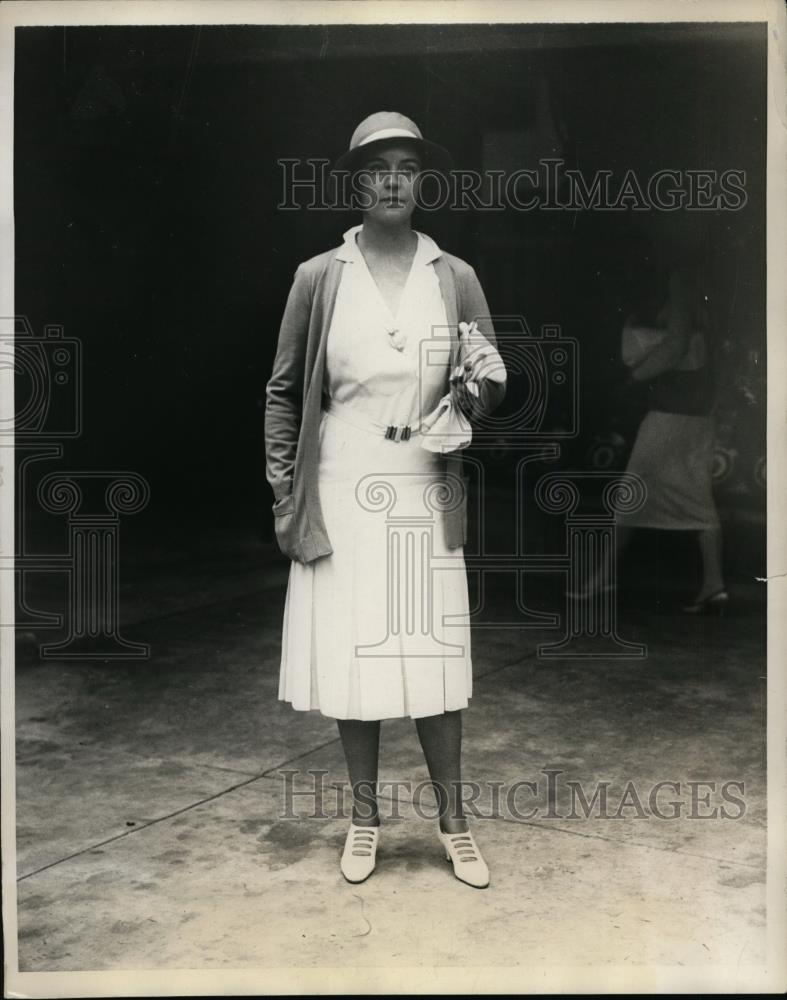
point(363, 840)
point(463, 846)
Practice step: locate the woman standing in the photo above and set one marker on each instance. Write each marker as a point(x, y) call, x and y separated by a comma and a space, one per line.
point(668, 349)
point(673, 451)
point(375, 620)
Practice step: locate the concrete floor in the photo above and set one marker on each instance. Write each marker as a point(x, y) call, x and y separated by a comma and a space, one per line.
point(149, 798)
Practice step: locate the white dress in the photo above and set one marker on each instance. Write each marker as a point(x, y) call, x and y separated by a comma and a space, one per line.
point(379, 628)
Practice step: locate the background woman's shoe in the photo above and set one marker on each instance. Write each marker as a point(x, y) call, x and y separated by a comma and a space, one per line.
point(462, 851)
point(714, 604)
point(360, 852)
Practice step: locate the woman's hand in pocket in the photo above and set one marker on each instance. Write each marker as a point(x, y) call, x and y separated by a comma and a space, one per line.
point(284, 505)
point(284, 519)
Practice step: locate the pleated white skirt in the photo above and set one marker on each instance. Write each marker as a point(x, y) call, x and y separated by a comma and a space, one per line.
point(379, 628)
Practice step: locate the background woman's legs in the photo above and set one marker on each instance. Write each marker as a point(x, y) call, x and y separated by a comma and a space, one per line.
point(710, 540)
point(441, 740)
point(361, 744)
point(710, 547)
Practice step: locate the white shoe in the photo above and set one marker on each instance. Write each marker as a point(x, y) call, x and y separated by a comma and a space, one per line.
point(469, 866)
point(360, 850)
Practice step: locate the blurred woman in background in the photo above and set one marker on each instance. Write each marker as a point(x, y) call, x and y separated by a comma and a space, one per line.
point(667, 346)
point(674, 448)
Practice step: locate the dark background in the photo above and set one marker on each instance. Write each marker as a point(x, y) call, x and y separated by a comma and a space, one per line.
point(146, 187)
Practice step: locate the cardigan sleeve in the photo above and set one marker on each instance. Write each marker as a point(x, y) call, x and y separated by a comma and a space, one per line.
point(474, 307)
point(284, 391)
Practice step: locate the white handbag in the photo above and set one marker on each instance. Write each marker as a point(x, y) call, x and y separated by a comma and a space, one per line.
point(638, 342)
point(447, 428)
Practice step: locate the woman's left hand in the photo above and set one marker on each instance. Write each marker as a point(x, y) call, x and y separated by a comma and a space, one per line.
point(477, 357)
point(464, 378)
point(464, 394)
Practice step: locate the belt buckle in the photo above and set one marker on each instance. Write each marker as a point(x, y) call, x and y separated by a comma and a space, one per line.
point(394, 433)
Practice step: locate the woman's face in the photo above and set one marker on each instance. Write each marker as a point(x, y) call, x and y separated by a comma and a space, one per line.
point(389, 176)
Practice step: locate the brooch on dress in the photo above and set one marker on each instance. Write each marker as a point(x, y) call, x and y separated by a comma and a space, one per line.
point(397, 338)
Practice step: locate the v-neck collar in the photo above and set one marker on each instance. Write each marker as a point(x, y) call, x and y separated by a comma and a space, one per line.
point(426, 252)
point(392, 319)
point(392, 316)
